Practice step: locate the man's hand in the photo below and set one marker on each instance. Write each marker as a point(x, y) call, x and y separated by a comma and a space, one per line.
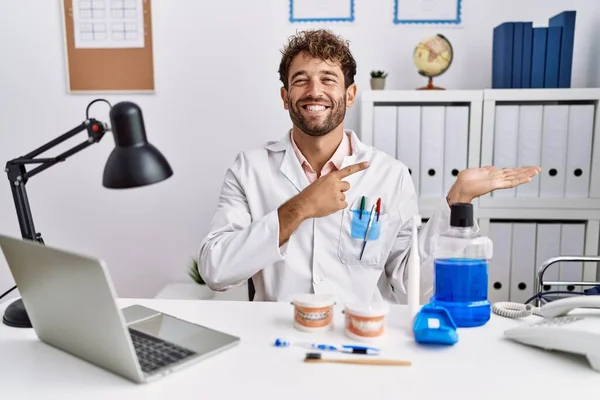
point(474, 182)
point(319, 199)
point(326, 195)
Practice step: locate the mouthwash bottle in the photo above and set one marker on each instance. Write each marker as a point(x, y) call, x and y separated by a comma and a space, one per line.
point(461, 269)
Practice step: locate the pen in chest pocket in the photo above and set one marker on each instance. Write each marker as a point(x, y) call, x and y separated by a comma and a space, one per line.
point(362, 207)
point(367, 232)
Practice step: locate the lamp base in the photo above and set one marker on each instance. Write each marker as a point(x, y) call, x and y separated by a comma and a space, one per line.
point(16, 316)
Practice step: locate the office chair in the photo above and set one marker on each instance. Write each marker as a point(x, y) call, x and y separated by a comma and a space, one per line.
point(539, 277)
point(251, 290)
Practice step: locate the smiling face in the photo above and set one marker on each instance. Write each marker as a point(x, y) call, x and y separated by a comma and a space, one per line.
point(316, 97)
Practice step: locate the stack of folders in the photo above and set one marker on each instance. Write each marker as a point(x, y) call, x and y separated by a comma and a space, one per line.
point(526, 57)
point(431, 140)
point(520, 248)
point(557, 137)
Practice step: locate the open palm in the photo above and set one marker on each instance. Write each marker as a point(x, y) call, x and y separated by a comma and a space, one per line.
point(475, 182)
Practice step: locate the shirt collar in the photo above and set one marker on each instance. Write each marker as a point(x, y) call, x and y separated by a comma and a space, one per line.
point(360, 150)
point(344, 149)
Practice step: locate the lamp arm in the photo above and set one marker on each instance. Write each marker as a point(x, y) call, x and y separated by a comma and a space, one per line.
point(18, 175)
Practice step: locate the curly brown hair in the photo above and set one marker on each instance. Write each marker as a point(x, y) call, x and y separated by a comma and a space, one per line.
point(322, 44)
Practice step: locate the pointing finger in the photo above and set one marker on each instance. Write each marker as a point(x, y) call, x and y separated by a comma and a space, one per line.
point(351, 169)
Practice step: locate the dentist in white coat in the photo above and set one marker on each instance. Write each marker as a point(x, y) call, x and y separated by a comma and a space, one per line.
point(289, 214)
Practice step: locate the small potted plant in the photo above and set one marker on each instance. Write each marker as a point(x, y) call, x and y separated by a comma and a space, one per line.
point(203, 291)
point(378, 80)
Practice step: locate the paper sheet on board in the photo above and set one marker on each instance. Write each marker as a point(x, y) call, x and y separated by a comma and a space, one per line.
point(321, 9)
point(108, 24)
point(428, 10)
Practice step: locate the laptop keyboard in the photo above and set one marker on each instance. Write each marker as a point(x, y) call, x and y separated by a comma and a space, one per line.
point(154, 353)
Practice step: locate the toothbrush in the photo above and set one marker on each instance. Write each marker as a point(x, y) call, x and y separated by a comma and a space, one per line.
point(286, 343)
point(354, 349)
point(414, 275)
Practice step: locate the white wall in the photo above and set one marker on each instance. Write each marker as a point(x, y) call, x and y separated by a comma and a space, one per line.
point(217, 93)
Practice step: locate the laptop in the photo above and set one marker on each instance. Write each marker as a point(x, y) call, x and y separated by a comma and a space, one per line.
point(71, 303)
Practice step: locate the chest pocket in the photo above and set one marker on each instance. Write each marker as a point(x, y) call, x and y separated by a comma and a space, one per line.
point(352, 237)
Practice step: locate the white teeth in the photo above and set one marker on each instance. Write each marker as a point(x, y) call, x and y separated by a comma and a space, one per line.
point(367, 326)
point(315, 108)
point(313, 316)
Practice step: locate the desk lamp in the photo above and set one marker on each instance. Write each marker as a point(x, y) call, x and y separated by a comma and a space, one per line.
point(133, 162)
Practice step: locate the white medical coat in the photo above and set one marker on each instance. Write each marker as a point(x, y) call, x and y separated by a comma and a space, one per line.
point(321, 256)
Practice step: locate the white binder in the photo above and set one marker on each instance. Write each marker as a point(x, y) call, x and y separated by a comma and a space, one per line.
point(384, 129)
point(432, 151)
point(506, 128)
point(408, 144)
point(548, 246)
point(499, 265)
point(572, 243)
point(522, 270)
point(579, 150)
point(529, 146)
point(456, 139)
point(554, 150)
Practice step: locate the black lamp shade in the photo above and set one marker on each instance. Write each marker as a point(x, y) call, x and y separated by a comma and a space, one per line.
point(134, 162)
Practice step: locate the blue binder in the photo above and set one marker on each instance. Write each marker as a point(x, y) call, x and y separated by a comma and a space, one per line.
point(517, 57)
point(527, 55)
point(552, 56)
point(538, 57)
point(502, 56)
point(565, 20)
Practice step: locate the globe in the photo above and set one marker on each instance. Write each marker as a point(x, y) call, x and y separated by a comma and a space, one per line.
point(433, 57)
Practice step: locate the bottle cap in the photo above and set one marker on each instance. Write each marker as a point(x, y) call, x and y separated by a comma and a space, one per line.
point(461, 214)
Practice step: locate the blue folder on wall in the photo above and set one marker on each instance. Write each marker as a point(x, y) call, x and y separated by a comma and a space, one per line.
point(566, 21)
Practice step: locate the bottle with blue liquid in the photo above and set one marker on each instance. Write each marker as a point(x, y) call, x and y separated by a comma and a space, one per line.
point(461, 269)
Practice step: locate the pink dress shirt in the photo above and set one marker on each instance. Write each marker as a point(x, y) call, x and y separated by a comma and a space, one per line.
point(334, 163)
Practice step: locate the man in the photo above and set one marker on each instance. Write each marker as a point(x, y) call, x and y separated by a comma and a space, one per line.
point(290, 214)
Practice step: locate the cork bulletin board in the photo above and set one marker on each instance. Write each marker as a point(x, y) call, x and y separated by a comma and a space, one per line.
point(108, 45)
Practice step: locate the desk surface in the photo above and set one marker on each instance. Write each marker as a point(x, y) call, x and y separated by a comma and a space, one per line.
point(481, 365)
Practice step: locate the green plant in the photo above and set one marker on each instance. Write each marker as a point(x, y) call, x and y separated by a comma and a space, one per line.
point(378, 74)
point(195, 273)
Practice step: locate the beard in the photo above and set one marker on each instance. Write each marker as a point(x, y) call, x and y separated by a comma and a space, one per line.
point(318, 125)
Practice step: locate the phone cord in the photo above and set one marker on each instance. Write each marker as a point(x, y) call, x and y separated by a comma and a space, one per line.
point(515, 310)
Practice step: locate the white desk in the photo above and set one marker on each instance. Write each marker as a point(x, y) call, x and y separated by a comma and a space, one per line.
point(481, 366)
point(193, 291)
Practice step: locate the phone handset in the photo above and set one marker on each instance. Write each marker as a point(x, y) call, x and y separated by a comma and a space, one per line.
point(562, 307)
point(552, 309)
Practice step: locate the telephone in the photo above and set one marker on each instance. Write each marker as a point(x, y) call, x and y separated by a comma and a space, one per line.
point(564, 327)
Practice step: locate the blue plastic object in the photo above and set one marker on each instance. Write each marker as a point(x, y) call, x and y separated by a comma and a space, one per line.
point(461, 287)
point(359, 225)
point(282, 343)
point(434, 325)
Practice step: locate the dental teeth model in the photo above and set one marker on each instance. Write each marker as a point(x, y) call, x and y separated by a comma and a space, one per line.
point(365, 322)
point(313, 312)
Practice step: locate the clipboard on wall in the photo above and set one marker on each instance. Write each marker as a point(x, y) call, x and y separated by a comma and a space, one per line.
point(108, 45)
